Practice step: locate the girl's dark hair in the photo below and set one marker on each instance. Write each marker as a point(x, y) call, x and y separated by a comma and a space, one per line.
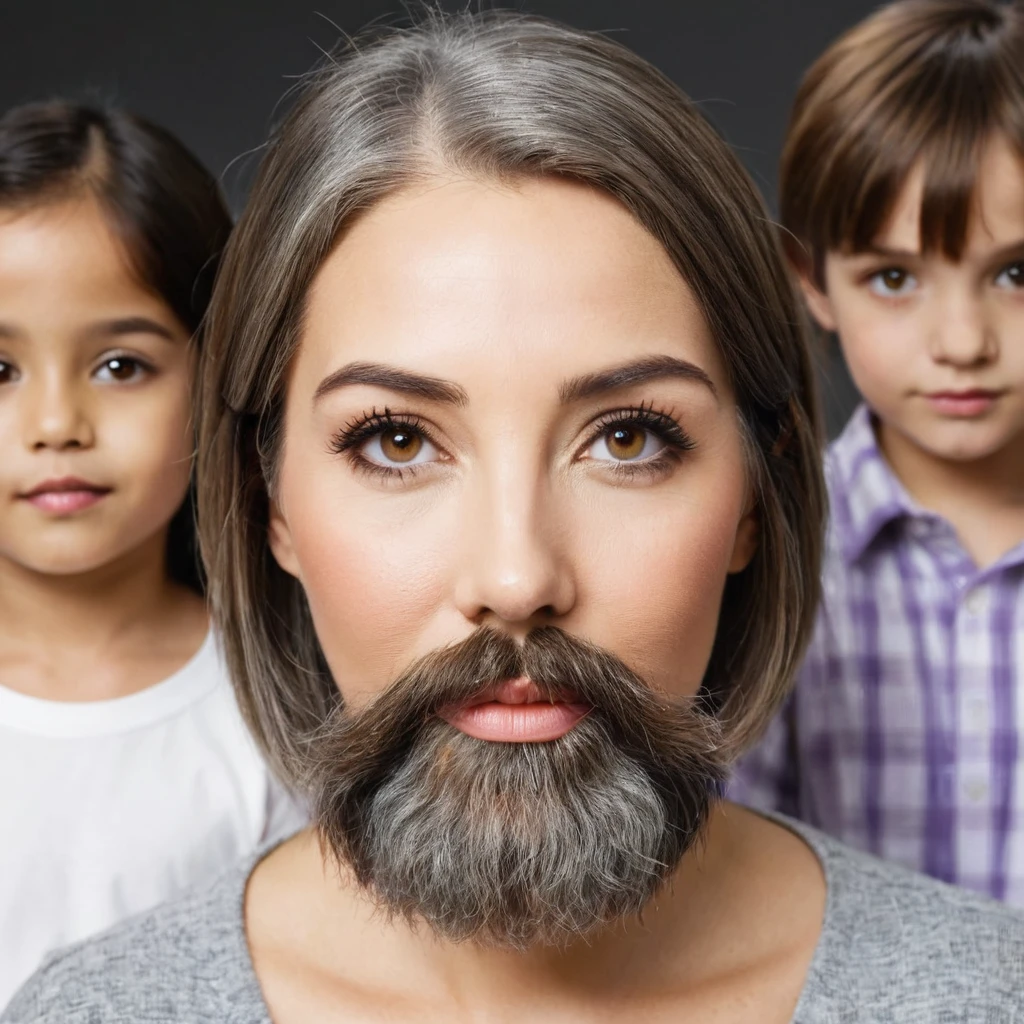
point(165, 207)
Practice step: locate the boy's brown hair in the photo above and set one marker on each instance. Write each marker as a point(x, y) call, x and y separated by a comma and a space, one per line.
point(919, 81)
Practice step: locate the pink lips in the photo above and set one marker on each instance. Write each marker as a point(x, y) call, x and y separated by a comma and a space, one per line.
point(65, 496)
point(515, 712)
point(963, 404)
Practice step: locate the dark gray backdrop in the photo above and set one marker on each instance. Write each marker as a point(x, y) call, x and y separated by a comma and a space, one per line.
point(215, 71)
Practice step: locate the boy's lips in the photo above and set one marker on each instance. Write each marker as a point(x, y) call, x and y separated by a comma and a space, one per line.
point(967, 403)
point(515, 711)
point(64, 495)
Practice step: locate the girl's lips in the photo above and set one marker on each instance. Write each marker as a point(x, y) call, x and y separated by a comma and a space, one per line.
point(515, 712)
point(964, 404)
point(66, 500)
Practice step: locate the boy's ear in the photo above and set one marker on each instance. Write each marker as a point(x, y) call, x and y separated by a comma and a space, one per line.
point(818, 302)
point(279, 537)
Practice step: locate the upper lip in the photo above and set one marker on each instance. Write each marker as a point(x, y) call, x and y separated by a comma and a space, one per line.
point(64, 483)
point(965, 393)
point(517, 691)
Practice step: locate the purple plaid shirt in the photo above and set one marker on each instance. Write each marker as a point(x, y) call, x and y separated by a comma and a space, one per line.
point(904, 735)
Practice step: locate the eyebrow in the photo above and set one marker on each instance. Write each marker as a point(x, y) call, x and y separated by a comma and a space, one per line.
point(433, 389)
point(639, 371)
point(131, 325)
point(1002, 253)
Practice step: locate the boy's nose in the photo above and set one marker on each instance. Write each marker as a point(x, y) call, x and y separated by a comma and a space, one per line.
point(54, 416)
point(963, 336)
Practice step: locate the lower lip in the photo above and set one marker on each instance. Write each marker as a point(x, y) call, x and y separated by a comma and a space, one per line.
point(967, 406)
point(539, 722)
point(66, 502)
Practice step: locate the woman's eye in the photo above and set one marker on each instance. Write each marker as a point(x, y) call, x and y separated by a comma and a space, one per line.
point(120, 370)
point(626, 442)
point(1011, 276)
point(8, 373)
point(892, 281)
point(398, 447)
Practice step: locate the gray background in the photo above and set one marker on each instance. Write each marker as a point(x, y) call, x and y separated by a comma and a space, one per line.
point(216, 72)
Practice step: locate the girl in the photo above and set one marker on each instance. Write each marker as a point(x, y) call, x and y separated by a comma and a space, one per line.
point(127, 772)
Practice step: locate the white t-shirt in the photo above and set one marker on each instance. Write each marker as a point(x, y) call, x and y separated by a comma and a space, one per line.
point(110, 807)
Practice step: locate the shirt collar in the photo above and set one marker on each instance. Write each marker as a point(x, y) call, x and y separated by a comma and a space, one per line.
point(864, 492)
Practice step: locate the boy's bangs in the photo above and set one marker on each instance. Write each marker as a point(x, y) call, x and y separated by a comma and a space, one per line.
point(948, 157)
point(919, 85)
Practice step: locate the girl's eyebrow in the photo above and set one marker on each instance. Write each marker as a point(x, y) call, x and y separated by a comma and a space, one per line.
point(131, 325)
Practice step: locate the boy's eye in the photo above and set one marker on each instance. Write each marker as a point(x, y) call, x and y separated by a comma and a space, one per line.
point(892, 281)
point(8, 373)
point(120, 369)
point(1011, 276)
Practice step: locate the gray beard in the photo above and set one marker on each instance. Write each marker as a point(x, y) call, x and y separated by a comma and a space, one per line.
point(516, 844)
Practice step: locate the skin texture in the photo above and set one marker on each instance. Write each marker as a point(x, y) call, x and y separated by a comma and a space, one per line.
point(520, 514)
point(95, 373)
point(911, 325)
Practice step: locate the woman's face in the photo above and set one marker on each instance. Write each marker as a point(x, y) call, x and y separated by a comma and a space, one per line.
point(506, 409)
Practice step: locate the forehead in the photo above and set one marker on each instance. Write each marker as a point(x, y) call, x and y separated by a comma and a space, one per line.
point(996, 216)
point(545, 277)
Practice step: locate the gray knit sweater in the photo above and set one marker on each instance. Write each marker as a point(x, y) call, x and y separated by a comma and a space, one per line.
point(896, 948)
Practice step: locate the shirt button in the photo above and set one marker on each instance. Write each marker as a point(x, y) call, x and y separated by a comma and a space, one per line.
point(977, 602)
point(975, 790)
point(977, 713)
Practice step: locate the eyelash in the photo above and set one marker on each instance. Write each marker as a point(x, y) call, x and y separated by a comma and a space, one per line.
point(661, 424)
point(354, 434)
point(357, 432)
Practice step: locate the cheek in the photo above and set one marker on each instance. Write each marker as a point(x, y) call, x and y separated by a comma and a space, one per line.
point(879, 345)
point(149, 442)
point(655, 589)
point(374, 582)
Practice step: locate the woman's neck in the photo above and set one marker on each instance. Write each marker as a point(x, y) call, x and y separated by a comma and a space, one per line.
point(751, 893)
point(99, 634)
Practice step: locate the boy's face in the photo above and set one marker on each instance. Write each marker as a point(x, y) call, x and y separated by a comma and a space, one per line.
point(935, 347)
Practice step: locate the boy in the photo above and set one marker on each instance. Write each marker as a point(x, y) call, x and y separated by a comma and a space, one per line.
point(902, 198)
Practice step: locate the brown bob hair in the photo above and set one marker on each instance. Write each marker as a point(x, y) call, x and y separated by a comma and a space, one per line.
point(504, 97)
point(919, 82)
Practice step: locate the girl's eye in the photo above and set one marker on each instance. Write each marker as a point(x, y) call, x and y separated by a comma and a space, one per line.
point(1011, 276)
point(892, 281)
point(397, 447)
point(8, 373)
point(626, 442)
point(120, 370)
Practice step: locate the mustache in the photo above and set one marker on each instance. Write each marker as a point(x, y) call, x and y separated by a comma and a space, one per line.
point(673, 736)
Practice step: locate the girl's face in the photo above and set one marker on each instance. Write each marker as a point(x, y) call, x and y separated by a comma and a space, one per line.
point(95, 373)
point(506, 409)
